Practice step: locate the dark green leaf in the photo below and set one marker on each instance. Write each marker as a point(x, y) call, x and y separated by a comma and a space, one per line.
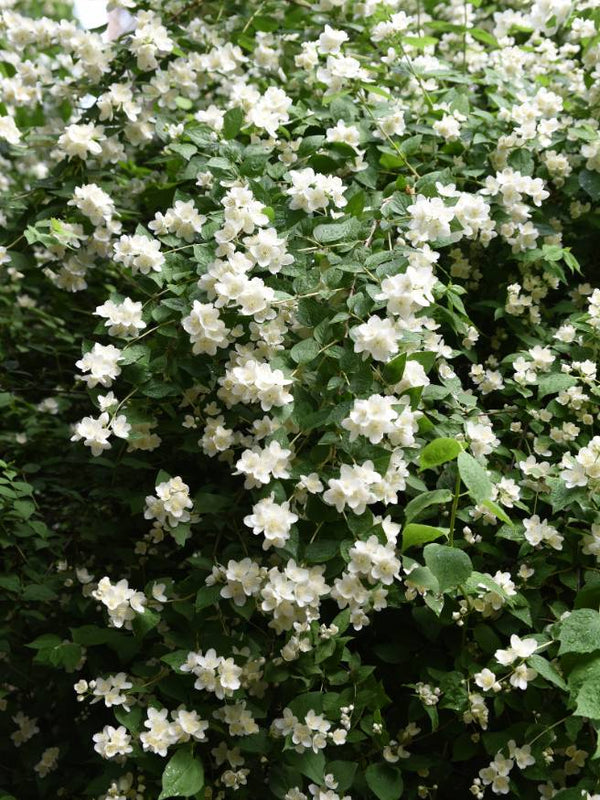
point(385, 781)
point(415, 535)
point(232, 122)
point(450, 565)
point(438, 452)
point(580, 632)
point(474, 477)
point(183, 776)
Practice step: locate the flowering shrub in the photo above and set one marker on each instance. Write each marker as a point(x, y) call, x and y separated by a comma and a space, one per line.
point(302, 464)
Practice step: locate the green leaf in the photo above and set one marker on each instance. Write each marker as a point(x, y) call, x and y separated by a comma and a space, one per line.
point(158, 389)
point(497, 511)
point(421, 42)
point(281, 777)
point(474, 477)
point(394, 369)
point(45, 641)
point(232, 123)
point(479, 580)
point(69, 655)
point(181, 533)
point(385, 781)
point(570, 794)
point(207, 596)
point(449, 565)
point(547, 671)
point(426, 358)
point(308, 763)
point(38, 593)
point(144, 622)
point(414, 535)
point(356, 205)
point(343, 772)
point(590, 183)
point(439, 452)
point(584, 687)
point(183, 149)
point(571, 261)
point(349, 230)
point(183, 776)
point(423, 501)
point(522, 161)
point(483, 36)
point(24, 508)
point(132, 720)
point(134, 353)
point(424, 578)
point(10, 582)
point(305, 351)
point(92, 634)
point(553, 384)
point(560, 496)
point(580, 632)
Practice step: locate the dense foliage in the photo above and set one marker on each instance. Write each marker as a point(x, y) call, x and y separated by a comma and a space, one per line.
point(300, 335)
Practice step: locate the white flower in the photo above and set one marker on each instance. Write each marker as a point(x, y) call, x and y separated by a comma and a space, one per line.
point(430, 219)
point(448, 127)
point(486, 680)
point(101, 362)
point(482, 438)
point(79, 141)
point(373, 418)
point(140, 253)
point(346, 134)
point(409, 292)
point(122, 603)
point(521, 755)
point(312, 191)
point(120, 427)
point(207, 330)
point(161, 734)
point(212, 116)
point(268, 250)
point(94, 432)
point(111, 742)
point(273, 519)
point(189, 725)
point(270, 111)
point(255, 382)
point(9, 131)
point(354, 488)
point(171, 504)
point(374, 561)
point(48, 762)
point(331, 40)
point(377, 338)
point(540, 532)
point(519, 648)
point(214, 673)
point(260, 465)
point(521, 676)
point(27, 728)
point(183, 220)
point(94, 203)
point(150, 41)
point(122, 319)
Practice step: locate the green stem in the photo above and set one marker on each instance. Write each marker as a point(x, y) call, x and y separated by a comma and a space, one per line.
point(454, 509)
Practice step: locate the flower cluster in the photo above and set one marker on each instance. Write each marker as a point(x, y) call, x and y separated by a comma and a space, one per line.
point(171, 503)
point(122, 603)
point(300, 309)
